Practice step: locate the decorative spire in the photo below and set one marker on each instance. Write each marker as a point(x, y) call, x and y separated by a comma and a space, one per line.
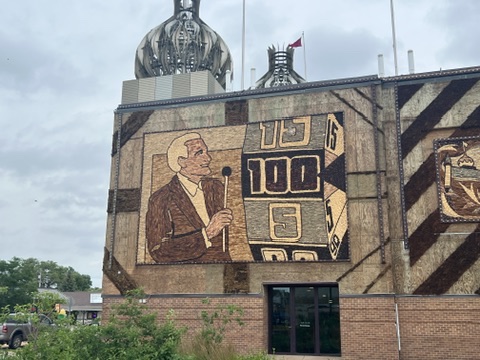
point(183, 44)
point(280, 69)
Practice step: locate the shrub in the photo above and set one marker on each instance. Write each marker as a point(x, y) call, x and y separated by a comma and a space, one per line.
point(132, 333)
point(208, 343)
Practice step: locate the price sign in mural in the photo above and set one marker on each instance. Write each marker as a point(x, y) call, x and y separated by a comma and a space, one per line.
point(293, 186)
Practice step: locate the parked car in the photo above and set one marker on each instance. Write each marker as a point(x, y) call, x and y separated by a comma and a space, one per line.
point(17, 329)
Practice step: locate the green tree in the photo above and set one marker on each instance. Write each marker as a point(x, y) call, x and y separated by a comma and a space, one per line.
point(73, 281)
point(49, 274)
point(19, 277)
point(52, 275)
point(132, 333)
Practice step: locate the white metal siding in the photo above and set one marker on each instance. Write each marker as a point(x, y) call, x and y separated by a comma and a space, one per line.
point(130, 92)
point(181, 86)
point(163, 87)
point(146, 89)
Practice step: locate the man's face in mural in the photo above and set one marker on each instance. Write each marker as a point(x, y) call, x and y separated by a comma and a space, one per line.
point(197, 165)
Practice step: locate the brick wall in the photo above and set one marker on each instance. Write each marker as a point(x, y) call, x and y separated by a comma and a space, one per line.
point(367, 326)
point(251, 337)
point(440, 327)
point(431, 327)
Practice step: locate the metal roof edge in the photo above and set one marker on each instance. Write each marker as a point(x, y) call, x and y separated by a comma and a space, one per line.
point(459, 73)
point(303, 87)
point(246, 94)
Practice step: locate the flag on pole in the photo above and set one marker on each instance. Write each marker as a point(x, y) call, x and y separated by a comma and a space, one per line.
point(296, 44)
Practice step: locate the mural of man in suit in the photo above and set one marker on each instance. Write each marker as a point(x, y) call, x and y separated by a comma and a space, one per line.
point(186, 218)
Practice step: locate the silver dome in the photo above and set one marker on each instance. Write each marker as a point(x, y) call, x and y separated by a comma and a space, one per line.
point(183, 44)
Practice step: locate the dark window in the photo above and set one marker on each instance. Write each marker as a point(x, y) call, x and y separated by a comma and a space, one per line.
point(304, 319)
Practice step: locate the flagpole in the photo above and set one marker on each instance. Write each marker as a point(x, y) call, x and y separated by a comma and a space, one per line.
point(243, 48)
point(304, 55)
point(394, 38)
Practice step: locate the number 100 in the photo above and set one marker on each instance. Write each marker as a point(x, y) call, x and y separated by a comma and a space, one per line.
point(280, 175)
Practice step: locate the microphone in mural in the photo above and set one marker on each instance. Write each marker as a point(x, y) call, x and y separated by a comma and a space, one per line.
point(226, 172)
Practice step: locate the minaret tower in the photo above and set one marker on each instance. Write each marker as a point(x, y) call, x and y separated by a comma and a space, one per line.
point(183, 44)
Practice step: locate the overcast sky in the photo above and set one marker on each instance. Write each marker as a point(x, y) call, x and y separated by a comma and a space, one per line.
point(62, 64)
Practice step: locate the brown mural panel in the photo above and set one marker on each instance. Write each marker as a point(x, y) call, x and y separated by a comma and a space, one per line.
point(267, 191)
point(458, 178)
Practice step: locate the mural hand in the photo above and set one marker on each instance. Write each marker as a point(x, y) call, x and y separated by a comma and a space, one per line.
point(218, 222)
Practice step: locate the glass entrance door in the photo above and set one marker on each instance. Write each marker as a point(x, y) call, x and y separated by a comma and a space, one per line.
point(280, 319)
point(304, 320)
point(329, 320)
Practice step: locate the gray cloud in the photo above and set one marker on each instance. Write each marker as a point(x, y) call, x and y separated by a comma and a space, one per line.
point(63, 63)
point(463, 32)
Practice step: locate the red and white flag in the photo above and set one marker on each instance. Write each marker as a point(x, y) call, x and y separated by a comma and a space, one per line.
point(296, 44)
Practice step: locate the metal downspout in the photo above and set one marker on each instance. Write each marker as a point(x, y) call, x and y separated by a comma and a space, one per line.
point(378, 174)
point(115, 190)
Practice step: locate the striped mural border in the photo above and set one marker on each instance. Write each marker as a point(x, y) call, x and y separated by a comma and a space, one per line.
point(429, 229)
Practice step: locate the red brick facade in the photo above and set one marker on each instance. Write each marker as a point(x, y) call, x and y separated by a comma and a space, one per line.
point(440, 327)
point(367, 326)
point(249, 337)
point(431, 327)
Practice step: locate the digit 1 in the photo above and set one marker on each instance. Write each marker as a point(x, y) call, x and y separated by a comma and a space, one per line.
point(255, 167)
point(329, 211)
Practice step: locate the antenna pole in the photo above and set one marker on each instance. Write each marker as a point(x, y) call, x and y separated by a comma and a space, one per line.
point(394, 37)
point(243, 47)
